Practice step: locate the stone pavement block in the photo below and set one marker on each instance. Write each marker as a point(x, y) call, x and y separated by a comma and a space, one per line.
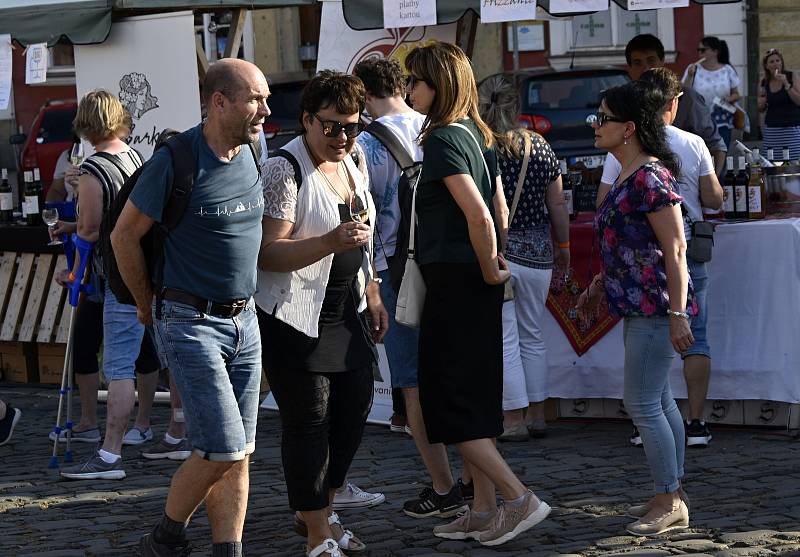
point(639, 553)
point(745, 552)
point(697, 546)
point(754, 537)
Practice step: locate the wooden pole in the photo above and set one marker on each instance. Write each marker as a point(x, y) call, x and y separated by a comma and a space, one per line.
point(235, 32)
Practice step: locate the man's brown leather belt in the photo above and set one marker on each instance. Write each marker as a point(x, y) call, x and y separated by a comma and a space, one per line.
point(208, 307)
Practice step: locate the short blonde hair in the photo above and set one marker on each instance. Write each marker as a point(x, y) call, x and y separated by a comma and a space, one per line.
point(101, 115)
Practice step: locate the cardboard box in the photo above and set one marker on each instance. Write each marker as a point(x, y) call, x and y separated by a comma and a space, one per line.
point(766, 413)
point(581, 408)
point(51, 362)
point(18, 361)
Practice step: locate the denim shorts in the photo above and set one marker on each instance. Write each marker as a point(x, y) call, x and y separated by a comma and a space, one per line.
point(699, 273)
point(124, 338)
point(401, 342)
point(216, 363)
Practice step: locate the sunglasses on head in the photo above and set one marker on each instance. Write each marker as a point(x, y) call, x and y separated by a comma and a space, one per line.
point(601, 118)
point(772, 51)
point(331, 128)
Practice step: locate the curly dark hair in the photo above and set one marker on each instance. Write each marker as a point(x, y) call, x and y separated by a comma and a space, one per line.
point(382, 77)
point(642, 104)
point(344, 92)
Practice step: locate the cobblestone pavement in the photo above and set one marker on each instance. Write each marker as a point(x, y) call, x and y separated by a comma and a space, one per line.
point(745, 491)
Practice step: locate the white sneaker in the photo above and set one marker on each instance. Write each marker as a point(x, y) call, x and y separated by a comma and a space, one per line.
point(136, 436)
point(353, 497)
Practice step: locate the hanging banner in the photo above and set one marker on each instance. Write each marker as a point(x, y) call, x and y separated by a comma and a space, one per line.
point(341, 48)
point(150, 63)
point(36, 63)
point(498, 11)
point(572, 6)
point(5, 71)
point(655, 4)
point(408, 13)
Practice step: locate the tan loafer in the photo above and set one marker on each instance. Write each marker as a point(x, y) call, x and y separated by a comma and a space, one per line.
point(672, 520)
point(638, 511)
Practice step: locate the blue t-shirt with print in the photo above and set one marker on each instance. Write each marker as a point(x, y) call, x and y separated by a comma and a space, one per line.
point(213, 251)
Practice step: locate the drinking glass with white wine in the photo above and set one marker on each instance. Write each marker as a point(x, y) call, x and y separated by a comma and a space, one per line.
point(50, 218)
point(76, 154)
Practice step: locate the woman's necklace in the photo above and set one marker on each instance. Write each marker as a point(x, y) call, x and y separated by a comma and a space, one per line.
point(627, 167)
point(318, 162)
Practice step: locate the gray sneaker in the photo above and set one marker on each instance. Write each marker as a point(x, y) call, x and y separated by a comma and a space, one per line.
point(466, 527)
point(88, 436)
point(162, 449)
point(512, 521)
point(94, 469)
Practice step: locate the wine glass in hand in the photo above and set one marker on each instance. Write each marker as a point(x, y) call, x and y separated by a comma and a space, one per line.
point(50, 217)
point(76, 155)
point(358, 208)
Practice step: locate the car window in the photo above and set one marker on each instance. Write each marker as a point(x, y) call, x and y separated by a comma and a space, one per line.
point(553, 92)
point(56, 126)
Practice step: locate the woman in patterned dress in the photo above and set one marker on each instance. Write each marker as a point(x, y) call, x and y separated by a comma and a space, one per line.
point(530, 252)
point(646, 282)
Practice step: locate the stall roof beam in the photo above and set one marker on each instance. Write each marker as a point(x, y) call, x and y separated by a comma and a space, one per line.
point(368, 14)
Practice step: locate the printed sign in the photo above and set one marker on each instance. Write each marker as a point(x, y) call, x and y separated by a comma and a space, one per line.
point(497, 11)
point(149, 62)
point(655, 4)
point(572, 6)
point(36, 63)
point(530, 36)
point(5, 71)
point(341, 48)
point(408, 13)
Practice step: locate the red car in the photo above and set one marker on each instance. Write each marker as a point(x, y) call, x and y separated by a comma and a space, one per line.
point(50, 135)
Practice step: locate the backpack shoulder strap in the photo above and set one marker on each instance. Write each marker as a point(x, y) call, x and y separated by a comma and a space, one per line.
point(383, 134)
point(284, 154)
point(255, 149)
point(183, 170)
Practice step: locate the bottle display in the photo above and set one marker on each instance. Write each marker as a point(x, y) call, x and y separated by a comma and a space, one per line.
point(34, 199)
point(6, 198)
point(728, 189)
point(756, 191)
point(740, 190)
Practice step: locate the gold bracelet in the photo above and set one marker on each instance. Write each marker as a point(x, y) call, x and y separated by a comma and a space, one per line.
point(562, 245)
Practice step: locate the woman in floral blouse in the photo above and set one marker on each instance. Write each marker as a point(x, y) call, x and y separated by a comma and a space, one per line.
point(646, 282)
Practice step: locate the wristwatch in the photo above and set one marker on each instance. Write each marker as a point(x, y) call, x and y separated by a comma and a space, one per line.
point(677, 314)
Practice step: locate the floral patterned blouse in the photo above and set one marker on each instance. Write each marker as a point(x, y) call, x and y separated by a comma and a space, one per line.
point(633, 261)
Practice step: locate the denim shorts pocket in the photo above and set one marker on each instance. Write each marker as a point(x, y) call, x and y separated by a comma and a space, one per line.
point(176, 312)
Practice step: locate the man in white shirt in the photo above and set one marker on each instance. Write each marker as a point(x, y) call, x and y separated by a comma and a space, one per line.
point(699, 188)
point(385, 85)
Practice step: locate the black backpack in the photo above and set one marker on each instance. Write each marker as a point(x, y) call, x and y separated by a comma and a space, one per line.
point(152, 243)
point(410, 170)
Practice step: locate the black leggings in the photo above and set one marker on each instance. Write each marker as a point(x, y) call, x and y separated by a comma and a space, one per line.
point(323, 417)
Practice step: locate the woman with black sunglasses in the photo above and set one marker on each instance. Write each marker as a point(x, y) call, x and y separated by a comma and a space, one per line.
point(319, 305)
point(645, 281)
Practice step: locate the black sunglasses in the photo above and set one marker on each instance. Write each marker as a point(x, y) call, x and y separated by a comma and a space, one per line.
point(331, 128)
point(601, 118)
point(412, 80)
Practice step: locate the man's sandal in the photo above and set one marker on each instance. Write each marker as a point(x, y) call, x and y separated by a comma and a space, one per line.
point(346, 539)
point(328, 547)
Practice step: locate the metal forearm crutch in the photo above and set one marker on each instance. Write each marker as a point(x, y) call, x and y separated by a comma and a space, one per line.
point(75, 287)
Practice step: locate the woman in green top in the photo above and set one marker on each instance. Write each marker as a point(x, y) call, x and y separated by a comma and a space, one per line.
point(460, 344)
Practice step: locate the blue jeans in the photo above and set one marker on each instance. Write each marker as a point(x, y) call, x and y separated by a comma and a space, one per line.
point(699, 273)
point(216, 363)
point(123, 341)
point(401, 342)
point(648, 398)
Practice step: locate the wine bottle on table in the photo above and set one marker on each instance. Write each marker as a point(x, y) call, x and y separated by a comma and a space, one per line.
point(756, 192)
point(740, 190)
point(34, 199)
point(566, 185)
point(6, 198)
point(728, 190)
point(27, 177)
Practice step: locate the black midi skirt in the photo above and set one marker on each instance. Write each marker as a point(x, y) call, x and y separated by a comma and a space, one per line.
point(461, 354)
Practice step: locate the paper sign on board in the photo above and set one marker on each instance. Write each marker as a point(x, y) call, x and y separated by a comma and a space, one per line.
point(496, 11)
point(5, 71)
point(408, 13)
point(36, 63)
point(573, 6)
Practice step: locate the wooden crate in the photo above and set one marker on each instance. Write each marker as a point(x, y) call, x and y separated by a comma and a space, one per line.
point(31, 309)
point(18, 360)
point(51, 362)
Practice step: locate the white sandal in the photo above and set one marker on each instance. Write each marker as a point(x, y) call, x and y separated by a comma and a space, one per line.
point(328, 547)
point(347, 540)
